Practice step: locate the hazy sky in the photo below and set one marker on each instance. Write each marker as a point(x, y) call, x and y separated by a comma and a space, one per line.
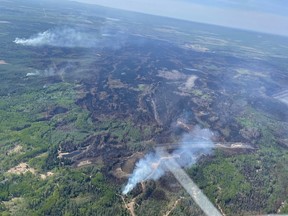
point(269, 16)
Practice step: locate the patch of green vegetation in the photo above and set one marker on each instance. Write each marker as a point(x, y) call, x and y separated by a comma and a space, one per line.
point(151, 207)
point(197, 92)
point(284, 210)
point(200, 94)
point(247, 183)
point(20, 114)
point(124, 132)
point(187, 207)
point(265, 125)
point(221, 181)
point(56, 195)
point(38, 162)
point(142, 87)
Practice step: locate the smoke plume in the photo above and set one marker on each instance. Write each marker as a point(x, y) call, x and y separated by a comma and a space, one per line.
point(152, 166)
point(61, 37)
point(75, 37)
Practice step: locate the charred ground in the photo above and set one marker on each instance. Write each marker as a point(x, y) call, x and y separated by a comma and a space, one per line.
point(88, 114)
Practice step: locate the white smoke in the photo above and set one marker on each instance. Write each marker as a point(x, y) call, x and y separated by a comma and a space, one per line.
point(36, 73)
point(144, 170)
point(60, 37)
point(152, 166)
point(73, 37)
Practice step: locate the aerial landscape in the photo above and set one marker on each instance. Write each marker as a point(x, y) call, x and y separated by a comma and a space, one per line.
point(103, 109)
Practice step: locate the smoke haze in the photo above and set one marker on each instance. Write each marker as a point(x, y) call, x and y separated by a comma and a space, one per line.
point(152, 166)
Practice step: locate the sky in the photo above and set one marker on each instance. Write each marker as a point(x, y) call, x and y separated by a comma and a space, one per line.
point(270, 16)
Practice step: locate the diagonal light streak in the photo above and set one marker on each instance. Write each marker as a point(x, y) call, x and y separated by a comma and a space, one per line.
point(191, 188)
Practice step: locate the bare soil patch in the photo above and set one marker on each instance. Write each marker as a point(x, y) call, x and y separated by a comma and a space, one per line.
point(21, 169)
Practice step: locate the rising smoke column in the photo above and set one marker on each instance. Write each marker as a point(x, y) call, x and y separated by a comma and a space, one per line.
point(144, 170)
point(152, 166)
